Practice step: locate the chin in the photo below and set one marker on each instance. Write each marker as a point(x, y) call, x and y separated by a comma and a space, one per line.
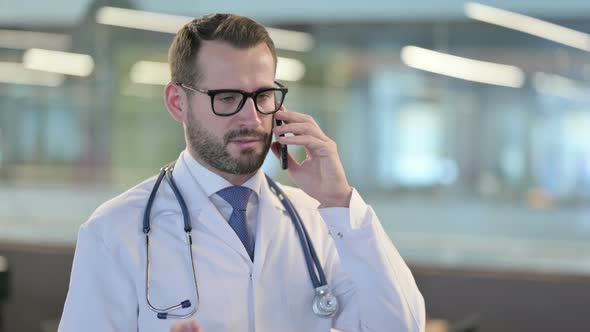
point(248, 155)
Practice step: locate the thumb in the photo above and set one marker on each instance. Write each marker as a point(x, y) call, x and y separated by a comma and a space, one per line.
point(276, 149)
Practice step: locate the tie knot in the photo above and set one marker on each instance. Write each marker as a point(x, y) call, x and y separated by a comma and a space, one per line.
point(236, 196)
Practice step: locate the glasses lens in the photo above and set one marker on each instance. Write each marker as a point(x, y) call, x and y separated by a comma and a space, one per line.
point(226, 102)
point(269, 101)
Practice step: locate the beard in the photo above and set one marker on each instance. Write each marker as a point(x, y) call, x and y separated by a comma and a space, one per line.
point(213, 150)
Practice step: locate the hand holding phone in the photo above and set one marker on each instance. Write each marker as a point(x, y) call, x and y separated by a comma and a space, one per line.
point(284, 151)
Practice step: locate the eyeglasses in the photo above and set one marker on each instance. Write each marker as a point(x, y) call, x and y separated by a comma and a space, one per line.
point(226, 102)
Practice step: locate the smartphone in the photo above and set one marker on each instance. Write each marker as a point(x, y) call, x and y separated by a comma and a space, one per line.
point(284, 151)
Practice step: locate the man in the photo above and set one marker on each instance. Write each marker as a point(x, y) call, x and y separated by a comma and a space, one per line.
point(251, 271)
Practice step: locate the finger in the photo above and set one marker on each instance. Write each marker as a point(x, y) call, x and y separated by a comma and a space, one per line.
point(183, 327)
point(290, 116)
point(186, 326)
point(307, 141)
point(301, 129)
point(195, 326)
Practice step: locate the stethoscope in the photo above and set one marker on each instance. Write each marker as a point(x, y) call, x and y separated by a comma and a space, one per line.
point(324, 303)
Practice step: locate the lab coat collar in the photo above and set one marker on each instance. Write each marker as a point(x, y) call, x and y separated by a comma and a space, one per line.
point(210, 182)
point(205, 216)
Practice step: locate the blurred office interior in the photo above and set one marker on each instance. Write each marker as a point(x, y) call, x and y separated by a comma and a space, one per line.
point(466, 125)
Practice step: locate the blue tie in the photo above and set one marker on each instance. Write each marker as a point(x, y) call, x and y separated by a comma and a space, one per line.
point(237, 197)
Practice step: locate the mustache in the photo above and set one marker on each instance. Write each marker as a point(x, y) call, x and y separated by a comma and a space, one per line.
point(244, 132)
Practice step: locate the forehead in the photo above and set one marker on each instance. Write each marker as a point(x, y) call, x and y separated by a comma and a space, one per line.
point(223, 66)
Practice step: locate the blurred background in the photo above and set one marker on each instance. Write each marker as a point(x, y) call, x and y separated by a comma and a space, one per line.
point(465, 125)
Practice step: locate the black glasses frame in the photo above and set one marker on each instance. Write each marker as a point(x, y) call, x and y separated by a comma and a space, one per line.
point(245, 96)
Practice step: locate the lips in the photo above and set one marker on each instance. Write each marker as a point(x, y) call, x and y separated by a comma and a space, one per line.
point(245, 142)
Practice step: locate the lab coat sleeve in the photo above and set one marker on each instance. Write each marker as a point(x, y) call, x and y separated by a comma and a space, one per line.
point(386, 297)
point(101, 296)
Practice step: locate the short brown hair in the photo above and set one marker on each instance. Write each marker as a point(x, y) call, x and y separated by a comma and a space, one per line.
point(238, 31)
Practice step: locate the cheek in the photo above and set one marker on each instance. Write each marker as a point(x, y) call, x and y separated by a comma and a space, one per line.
point(267, 123)
point(201, 107)
point(202, 112)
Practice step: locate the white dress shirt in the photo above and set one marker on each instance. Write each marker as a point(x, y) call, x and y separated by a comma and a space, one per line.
point(211, 183)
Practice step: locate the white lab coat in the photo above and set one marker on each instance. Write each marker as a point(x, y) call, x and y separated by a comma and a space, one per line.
point(274, 293)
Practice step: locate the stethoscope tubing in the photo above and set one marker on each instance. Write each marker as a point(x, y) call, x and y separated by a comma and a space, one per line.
point(308, 249)
point(311, 259)
point(163, 313)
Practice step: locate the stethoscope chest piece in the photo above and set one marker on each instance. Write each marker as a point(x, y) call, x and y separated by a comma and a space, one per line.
point(325, 304)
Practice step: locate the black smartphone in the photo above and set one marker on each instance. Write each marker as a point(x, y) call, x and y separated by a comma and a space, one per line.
point(284, 151)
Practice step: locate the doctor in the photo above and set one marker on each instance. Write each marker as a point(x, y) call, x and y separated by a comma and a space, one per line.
point(242, 268)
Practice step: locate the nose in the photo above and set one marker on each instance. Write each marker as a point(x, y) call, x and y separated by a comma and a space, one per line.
point(248, 115)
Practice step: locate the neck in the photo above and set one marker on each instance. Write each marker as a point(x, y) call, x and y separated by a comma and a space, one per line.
point(235, 179)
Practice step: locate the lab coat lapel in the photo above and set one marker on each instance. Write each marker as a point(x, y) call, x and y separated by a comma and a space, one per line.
point(204, 215)
point(271, 213)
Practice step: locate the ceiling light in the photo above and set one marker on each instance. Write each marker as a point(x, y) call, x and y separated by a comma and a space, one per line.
point(527, 24)
point(143, 20)
point(290, 69)
point(58, 62)
point(150, 72)
point(462, 68)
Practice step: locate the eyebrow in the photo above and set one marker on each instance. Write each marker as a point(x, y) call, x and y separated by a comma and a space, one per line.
point(274, 86)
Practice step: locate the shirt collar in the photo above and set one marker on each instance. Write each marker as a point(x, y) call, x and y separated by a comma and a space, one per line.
point(211, 183)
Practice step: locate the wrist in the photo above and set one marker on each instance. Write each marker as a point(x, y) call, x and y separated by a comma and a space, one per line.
point(341, 199)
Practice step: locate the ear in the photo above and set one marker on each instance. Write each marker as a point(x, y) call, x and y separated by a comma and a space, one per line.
point(176, 101)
